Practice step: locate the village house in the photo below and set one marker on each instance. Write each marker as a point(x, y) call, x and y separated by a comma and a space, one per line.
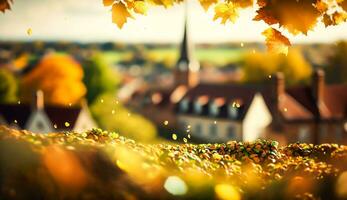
point(217, 112)
point(40, 118)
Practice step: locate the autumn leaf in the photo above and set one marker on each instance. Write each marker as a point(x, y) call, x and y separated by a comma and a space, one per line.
point(29, 31)
point(207, 3)
point(120, 14)
point(243, 3)
point(275, 41)
point(226, 11)
point(343, 4)
point(140, 7)
point(108, 2)
point(5, 4)
point(297, 16)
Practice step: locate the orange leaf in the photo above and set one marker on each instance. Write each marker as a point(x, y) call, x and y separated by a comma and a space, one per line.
point(207, 3)
point(275, 41)
point(120, 14)
point(4, 5)
point(108, 2)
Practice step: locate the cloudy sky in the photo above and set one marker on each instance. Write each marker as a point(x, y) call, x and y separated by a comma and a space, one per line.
point(88, 20)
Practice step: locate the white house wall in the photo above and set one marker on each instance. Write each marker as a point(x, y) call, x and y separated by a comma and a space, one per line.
point(222, 130)
point(256, 120)
point(84, 121)
point(36, 118)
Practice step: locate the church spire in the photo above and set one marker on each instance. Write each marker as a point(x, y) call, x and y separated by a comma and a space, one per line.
point(187, 67)
point(186, 50)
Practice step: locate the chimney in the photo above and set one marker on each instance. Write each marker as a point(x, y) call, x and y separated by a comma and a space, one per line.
point(278, 86)
point(318, 84)
point(278, 91)
point(38, 103)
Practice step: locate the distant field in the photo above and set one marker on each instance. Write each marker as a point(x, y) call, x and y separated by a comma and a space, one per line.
point(215, 56)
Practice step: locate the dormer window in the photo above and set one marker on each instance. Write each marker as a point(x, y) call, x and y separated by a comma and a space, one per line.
point(233, 109)
point(184, 105)
point(214, 109)
point(197, 107)
point(215, 105)
point(199, 103)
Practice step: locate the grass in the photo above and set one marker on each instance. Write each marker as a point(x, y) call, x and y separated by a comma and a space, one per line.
point(101, 165)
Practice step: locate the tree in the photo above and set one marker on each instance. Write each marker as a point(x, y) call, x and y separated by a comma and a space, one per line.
point(112, 116)
point(8, 87)
point(336, 71)
point(295, 16)
point(99, 78)
point(59, 77)
point(257, 67)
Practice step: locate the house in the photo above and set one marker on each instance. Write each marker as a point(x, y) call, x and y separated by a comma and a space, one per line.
point(312, 114)
point(44, 119)
point(218, 113)
point(319, 116)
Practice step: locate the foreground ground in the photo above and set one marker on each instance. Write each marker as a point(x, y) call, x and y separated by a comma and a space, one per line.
point(102, 165)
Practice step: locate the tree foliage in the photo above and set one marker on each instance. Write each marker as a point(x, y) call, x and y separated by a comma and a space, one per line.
point(258, 67)
point(295, 16)
point(113, 116)
point(8, 87)
point(98, 78)
point(337, 69)
point(59, 77)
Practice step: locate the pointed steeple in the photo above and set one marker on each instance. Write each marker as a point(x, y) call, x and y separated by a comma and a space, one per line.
point(186, 50)
point(187, 67)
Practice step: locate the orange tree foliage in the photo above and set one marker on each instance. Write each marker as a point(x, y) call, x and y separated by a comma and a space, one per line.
point(59, 77)
point(296, 16)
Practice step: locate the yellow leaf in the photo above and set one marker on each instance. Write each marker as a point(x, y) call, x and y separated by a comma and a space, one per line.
point(108, 2)
point(29, 31)
point(140, 7)
point(226, 11)
point(120, 14)
point(275, 41)
point(207, 3)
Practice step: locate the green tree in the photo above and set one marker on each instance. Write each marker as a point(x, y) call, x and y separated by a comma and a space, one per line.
point(336, 71)
point(258, 66)
point(113, 116)
point(8, 87)
point(99, 77)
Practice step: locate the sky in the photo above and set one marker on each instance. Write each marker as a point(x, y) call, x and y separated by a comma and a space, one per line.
point(90, 21)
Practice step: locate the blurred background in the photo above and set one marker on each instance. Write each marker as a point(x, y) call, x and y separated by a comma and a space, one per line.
point(172, 74)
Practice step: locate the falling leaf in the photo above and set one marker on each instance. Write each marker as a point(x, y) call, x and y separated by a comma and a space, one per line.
point(120, 14)
point(67, 124)
point(226, 12)
point(207, 3)
point(108, 2)
point(5, 4)
point(275, 41)
point(29, 31)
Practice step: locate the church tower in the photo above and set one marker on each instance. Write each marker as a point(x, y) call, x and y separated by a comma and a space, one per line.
point(187, 68)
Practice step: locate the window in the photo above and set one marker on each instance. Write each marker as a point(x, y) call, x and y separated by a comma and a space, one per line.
point(184, 105)
point(231, 133)
point(304, 134)
point(213, 130)
point(233, 111)
point(214, 109)
point(197, 107)
point(198, 129)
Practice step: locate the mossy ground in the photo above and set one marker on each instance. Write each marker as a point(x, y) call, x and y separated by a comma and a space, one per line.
point(101, 165)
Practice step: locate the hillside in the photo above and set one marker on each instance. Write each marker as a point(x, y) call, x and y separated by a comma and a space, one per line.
point(102, 165)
